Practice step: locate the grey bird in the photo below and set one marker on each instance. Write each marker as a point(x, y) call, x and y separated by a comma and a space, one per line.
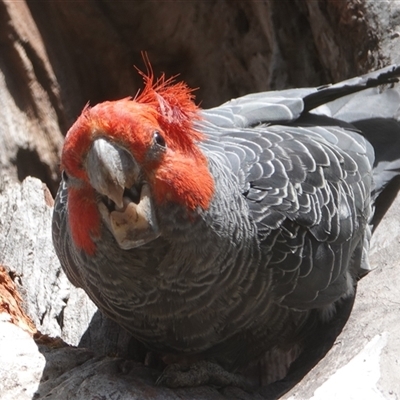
point(218, 237)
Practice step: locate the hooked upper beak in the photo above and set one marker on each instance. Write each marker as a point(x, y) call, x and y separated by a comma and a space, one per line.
point(111, 169)
point(116, 176)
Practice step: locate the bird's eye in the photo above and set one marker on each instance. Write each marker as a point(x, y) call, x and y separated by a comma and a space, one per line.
point(159, 139)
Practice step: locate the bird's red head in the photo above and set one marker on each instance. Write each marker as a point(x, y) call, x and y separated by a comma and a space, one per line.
point(155, 132)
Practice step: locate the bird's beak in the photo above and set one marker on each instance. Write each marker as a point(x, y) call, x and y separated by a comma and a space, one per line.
point(111, 170)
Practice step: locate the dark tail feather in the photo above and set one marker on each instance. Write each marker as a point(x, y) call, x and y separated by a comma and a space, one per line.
point(328, 93)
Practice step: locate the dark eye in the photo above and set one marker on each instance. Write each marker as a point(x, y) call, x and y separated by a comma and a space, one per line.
point(159, 139)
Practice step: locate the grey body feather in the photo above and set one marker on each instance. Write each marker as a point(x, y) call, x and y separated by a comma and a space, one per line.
point(287, 231)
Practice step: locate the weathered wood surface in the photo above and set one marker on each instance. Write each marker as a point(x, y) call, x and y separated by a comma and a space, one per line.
point(55, 57)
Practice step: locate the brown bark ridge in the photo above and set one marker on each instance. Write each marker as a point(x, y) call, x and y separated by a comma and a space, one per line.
point(57, 56)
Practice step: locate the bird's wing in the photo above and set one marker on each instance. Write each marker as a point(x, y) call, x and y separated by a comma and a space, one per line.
point(308, 191)
point(376, 114)
point(307, 179)
point(288, 105)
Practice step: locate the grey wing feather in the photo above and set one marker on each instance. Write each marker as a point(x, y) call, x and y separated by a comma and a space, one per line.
point(288, 105)
point(257, 108)
point(307, 194)
point(308, 183)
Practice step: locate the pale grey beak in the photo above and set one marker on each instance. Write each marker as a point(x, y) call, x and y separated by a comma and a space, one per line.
point(112, 169)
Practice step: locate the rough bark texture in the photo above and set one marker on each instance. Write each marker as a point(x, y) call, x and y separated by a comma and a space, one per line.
point(55, 57)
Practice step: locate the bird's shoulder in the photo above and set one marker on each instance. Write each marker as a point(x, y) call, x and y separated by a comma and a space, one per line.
point(293, 170)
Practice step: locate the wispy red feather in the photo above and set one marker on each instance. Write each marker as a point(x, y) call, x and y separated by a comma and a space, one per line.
point(181, 176)
point(175, 104)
